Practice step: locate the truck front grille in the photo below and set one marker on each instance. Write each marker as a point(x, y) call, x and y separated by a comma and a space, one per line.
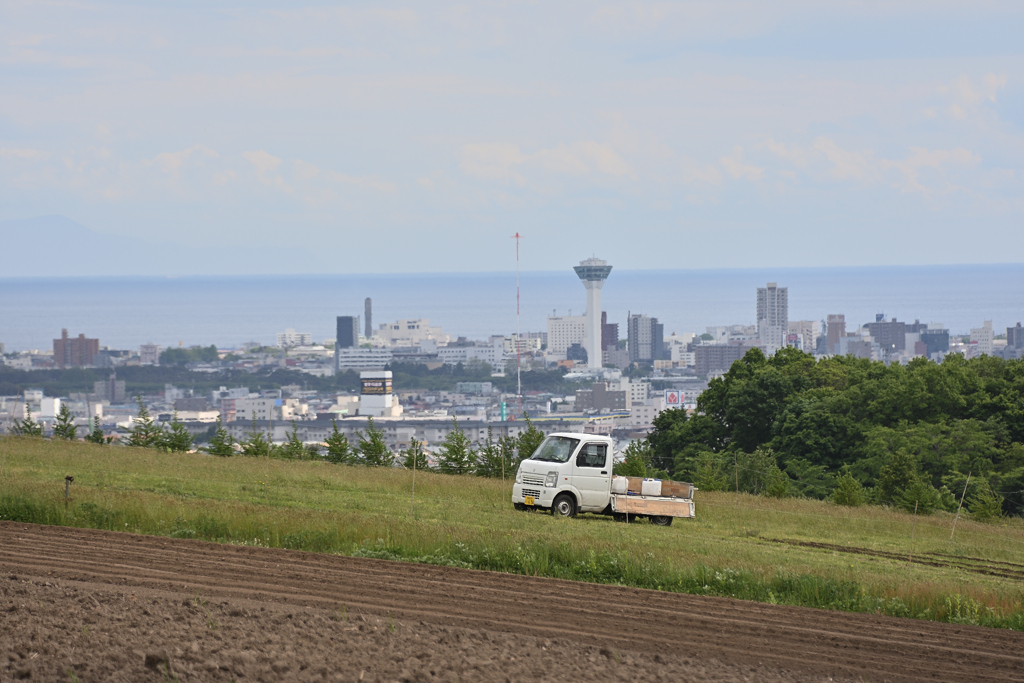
point(531, 492)
point(530, 479)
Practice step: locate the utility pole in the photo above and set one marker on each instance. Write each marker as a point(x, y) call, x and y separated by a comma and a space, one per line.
point(519, 362)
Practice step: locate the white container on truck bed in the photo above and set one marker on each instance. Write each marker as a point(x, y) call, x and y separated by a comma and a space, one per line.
point(571, 473)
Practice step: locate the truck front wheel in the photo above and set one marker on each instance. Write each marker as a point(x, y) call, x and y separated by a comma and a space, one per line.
point(661, 520)
point(564, 506)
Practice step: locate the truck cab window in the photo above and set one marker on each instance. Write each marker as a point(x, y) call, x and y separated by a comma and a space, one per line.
point(555, 449)
point(592, 455)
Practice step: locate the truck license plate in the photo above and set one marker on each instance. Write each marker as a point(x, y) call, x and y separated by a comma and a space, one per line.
point(529, 500)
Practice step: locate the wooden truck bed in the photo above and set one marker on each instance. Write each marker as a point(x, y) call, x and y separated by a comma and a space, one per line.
point(652, 505)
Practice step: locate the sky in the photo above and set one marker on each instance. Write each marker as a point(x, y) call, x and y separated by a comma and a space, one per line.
point(419, 137)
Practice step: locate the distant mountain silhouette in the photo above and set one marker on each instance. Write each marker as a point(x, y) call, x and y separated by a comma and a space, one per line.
point(48, 246)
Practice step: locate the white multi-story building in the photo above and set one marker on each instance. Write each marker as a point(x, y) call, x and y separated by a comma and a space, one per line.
point(981, 340)
point(149, 354)
point(526, 344)
point(642, 413)
point(410, 333)
point(249, 409)
point(807, 332)
point(726, 334)
point(564, 331)
point(359, 358)
point(772, 316)
point(292, 338)
point(492, 353)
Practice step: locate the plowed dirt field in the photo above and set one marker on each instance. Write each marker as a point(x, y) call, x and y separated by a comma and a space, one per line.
point(94, 605)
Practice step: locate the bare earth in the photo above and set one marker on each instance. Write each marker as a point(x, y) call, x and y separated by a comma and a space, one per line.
point(97, 606)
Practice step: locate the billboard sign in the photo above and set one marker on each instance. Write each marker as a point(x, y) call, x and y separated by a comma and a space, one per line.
point(376, 387)
point(673, 398)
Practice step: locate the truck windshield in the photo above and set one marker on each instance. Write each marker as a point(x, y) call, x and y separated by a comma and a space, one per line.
point(555, 449)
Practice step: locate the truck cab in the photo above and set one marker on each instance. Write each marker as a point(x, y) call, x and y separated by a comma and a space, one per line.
point(568, 473)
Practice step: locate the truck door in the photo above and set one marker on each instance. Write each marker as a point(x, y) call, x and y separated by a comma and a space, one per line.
point(591, 475)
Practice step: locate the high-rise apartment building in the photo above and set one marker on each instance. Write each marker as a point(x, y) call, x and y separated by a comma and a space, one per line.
point(348, 332)
point(609, 333)
point(646, 339)
point(592, 272)
point(368, 315)
point(292, 338)
point(717, 357)
point(347, 337)
point(1015, 337)
point(772, 316)
point(891, 336)
point(74, 352)
point(981, 339)
point(836, 330)
point(564, 331)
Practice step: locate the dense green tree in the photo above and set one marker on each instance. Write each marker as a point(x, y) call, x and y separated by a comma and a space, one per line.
point(811, 481)
point(221, 443)
point(373, 449)
point(920, 496)
point(293, 447)
point(890, 426)
point(256, 444)
point(456, 455)
point(848, 491)
point(339, 450)
point(27, 426)
point(638, 461)
point(491, 459)
point(985, 504)
point(528, 441)
point(96, 434)
point(176, 438)
point(758, 473)
point(144, 432)
point(64, 428)
point(896, 474)
point(414, 457)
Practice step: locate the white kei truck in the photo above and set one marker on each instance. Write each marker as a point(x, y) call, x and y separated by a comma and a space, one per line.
point(571, 473)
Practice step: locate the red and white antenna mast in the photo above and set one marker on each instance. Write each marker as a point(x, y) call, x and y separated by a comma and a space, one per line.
point(519, 363)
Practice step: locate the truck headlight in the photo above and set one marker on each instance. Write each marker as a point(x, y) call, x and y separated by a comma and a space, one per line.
point(519, 475)
point(551, 480)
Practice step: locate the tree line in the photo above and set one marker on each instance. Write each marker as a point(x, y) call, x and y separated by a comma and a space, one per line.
point(458, 454)
point(924, 435)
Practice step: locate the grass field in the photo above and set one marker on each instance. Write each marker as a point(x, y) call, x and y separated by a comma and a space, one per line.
point(792, 551)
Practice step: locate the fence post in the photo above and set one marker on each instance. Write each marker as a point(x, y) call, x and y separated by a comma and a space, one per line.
point(964, 495)
point(912, 528)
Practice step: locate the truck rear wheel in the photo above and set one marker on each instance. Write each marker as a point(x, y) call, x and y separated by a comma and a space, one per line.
point(661, 520)
point(564, 506)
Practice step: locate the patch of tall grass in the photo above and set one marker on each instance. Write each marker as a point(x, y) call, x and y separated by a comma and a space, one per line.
point(468, 522)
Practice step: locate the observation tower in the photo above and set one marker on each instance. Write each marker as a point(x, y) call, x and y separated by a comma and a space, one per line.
point(592, 273)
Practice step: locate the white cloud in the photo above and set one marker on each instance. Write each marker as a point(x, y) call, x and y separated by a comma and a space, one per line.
point(506, 162)
point(493, 161)
point(846, 165)
point(737, 168)
point(935, 159)
point(23, 153)
point(172, 162)
point(263, 162)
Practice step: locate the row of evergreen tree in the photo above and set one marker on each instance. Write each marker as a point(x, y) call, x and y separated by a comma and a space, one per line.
point(458, 454)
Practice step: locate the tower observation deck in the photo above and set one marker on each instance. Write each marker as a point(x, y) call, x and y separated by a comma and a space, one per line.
point(592, 272)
